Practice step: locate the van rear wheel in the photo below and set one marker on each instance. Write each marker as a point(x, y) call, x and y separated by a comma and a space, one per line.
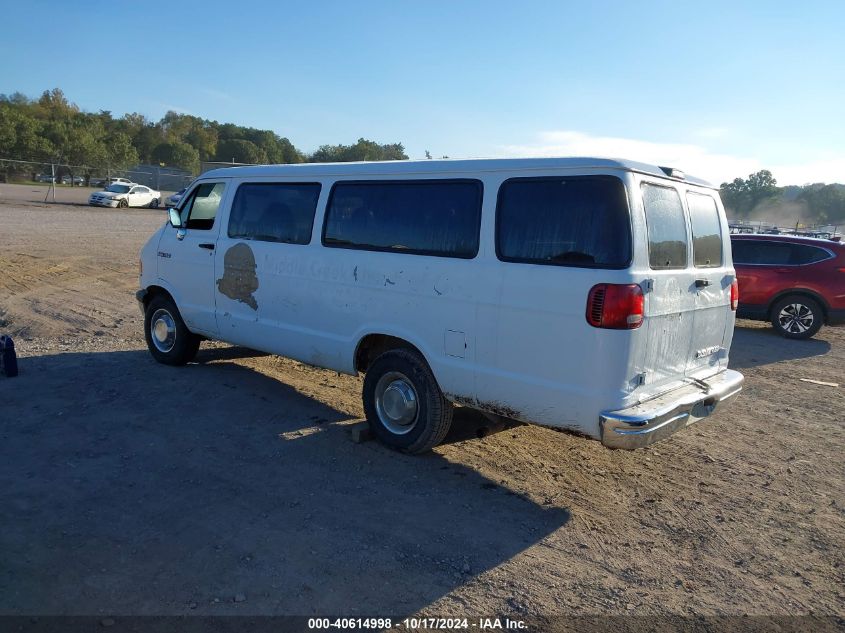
point(168, 338)
point(797, 317)
point(403, 403)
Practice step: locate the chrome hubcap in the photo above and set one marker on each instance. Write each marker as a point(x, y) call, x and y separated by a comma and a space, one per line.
point(163, 330)
point(796, 318)
point(396, 403)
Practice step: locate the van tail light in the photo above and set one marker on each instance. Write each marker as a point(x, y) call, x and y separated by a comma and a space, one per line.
point(734, 294)
point(616, 306)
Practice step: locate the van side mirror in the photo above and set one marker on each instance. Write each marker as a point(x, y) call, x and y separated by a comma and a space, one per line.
point(175, 218)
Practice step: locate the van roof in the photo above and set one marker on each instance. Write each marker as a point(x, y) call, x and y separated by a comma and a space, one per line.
point(396, 167)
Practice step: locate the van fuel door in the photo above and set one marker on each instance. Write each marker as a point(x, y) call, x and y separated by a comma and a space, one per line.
point(455, 344)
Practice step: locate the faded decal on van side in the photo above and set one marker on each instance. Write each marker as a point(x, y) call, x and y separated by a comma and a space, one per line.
point(239, 280)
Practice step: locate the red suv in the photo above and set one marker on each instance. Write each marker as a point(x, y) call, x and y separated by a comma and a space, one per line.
point(797, 283)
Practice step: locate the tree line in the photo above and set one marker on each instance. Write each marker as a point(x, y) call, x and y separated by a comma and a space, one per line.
point(758, 197)
point(51, 129)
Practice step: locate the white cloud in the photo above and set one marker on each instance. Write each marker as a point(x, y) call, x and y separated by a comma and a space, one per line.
point(712, 132)
point(831, 170)
point(690, 158)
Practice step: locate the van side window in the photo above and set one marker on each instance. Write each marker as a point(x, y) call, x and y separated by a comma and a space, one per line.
point(422, 217)
point(274, 212)
point(577, 221)
point(667, 227)
point(201, 207)
point(706, 230)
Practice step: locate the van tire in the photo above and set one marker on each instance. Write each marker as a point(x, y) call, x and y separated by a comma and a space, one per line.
point(405, 369)
point(161, 312)
point(807, 316)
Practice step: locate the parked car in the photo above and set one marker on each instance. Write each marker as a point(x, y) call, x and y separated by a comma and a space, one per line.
point(44, 178)
point(120, 181)
point(121, 195)
point(96, 182)
point(173, 199)
point(76, 180)
point(564, 292)
point(797, 283)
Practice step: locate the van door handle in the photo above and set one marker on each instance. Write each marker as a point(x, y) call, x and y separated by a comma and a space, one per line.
point(702, 283)
point(207, 245)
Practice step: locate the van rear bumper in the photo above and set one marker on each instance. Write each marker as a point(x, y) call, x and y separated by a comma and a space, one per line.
point(656, 419)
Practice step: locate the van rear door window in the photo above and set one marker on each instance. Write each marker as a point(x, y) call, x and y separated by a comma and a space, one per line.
point(422, 217)
point(576, 221)
point(706, 230)
point(667, 227)
point(274, 212)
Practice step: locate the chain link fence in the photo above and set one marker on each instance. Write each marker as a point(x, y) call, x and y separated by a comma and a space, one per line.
point(62, 181)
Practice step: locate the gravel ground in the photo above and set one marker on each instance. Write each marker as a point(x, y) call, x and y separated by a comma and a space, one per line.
point(231, 486)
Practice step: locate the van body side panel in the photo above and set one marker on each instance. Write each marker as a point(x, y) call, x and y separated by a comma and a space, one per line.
point(542, 361)
point(315, 303)
point(538, 358)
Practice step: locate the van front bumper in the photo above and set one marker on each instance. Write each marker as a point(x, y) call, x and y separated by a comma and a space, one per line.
point(656, 419)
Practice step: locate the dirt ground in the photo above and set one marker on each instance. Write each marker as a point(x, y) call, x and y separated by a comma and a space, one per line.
point(231, 486)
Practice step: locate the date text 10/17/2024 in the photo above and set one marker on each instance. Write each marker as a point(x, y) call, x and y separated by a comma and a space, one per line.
point(416, 624)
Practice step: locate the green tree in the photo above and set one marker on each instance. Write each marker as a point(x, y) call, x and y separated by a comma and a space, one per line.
point(178, 154)
point(825, 202)
point(362, 150)
point(240, 151)
point(21, 135)
point(742, 196)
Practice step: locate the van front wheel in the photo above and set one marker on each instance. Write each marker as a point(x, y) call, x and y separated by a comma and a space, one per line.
point(797, 316)
point(168, 338)
point(403, 403)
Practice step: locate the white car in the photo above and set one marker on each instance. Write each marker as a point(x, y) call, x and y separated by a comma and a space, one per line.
point(122, 195)
point(174, 199)
point(120, 181)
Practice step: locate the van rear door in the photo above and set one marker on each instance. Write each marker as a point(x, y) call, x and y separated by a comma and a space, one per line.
point(713, 320)
point(671, 300)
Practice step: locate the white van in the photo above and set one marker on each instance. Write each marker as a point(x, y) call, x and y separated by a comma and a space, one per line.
point(588, 294)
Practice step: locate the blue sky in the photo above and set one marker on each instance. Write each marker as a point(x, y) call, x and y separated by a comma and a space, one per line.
point(719, 89)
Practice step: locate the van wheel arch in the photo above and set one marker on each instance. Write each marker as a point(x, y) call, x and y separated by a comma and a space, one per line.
point(372, 346)
point(156, 291)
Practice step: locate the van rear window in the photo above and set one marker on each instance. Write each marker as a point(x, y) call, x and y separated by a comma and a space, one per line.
point(577, 221)
point(706, 230)
point(418, 217)
point(667, 227)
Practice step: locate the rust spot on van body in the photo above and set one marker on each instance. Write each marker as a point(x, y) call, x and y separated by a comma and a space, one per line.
point(239, 280)
point(496, 408)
